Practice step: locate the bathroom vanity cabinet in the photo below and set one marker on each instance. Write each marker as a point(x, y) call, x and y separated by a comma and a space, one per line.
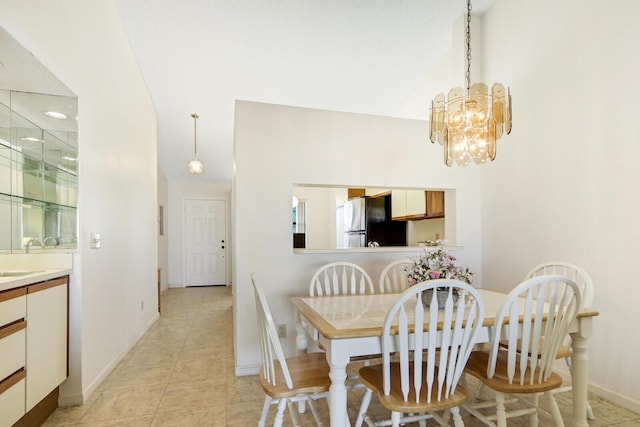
point(33, 350)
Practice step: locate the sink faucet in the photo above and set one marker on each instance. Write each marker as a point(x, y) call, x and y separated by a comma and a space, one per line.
point(46, 239)
point(30, 241)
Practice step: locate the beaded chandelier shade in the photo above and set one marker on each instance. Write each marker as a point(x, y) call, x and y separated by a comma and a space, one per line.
point(468, 122)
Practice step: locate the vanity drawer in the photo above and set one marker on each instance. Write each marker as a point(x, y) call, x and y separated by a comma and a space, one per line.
point(12, 348)
point(13, 305)
point(12, 398)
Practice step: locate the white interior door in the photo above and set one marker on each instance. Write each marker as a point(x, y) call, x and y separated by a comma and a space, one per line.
point(205, 242)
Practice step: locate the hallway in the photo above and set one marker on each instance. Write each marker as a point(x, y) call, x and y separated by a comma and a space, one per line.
point(181, 373)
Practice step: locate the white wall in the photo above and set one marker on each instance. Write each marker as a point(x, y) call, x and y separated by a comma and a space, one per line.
point(320, 228)
point(570, 170)
point(276, 146)
point(84, 45)
point(178, 192)
point(564, 184)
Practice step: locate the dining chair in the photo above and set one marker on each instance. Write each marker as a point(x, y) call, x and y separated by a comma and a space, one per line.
point(340, 278)
point(393, 278)
point(424, 351)
point(303, 378)
point(530, 327)
point(587, 291)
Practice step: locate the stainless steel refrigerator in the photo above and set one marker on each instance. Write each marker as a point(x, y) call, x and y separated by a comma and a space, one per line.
point(367, 220)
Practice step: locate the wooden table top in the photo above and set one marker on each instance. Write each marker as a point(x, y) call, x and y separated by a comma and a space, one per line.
point(353, 316)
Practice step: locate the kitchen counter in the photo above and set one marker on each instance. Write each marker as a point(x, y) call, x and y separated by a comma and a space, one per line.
point(380, 249)
point(36, 275)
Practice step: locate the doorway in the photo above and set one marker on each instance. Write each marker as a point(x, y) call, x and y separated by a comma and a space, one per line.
point(205, 242)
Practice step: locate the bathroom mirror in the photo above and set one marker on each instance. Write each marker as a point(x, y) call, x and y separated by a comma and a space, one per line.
point(355, 217)
point(38, 154)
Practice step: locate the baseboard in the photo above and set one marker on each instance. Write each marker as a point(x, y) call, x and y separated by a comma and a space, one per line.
point(613, 396)
point(70, 400)
point(243, 371)
point(617, 398)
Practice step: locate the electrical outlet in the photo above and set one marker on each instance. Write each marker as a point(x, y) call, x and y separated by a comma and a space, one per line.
point(282, 330)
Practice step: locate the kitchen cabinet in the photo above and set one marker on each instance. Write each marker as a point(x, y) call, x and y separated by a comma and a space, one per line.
point(413, 205)
point(46, 338)
point(435, 204)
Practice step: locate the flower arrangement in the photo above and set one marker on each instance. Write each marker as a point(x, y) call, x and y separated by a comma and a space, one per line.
point(436, 264)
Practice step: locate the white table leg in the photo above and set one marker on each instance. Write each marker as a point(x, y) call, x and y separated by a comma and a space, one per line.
point(301, 348)
point(580, 370)
point(301, 335)
point(338, 358)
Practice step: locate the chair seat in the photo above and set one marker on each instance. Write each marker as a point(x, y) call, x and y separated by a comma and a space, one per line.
point(371, 376)
point(309, 373)
point(564, 351)
point(477, 366)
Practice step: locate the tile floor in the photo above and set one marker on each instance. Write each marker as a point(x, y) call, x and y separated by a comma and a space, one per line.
point(181, 373)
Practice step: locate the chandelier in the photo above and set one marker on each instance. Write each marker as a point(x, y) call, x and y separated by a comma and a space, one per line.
point(469, 122)
point(195, 166)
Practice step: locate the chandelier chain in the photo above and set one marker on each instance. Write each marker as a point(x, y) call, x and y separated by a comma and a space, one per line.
point(468, 39)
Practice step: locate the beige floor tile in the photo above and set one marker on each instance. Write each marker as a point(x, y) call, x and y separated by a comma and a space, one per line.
point(68, 415)
point(137, 375)
point(243, 389)
point(160, 353)
point(120, 403)
point(193, 395)
point(246, 413)
point(144, 421)
point(205, 417)
point(200, 370)
point(209, 351)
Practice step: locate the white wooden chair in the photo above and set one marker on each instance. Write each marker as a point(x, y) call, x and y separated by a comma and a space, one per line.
point(520, 359)
point(393, 278)
point(431, 347)
point(587, 291)
point(340, 278)
point(302, 378)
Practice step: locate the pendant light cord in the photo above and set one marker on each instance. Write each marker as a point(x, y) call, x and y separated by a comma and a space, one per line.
point(468, 37)
point(195, 133)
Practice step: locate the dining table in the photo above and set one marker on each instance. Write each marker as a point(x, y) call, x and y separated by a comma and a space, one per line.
point(351, 325)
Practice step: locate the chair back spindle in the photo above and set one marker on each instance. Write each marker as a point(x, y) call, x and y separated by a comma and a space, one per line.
point(535, 318)
point(573, 272)
point(393, 278)
point(432, 343)
point(269, 343)
point(340, 278)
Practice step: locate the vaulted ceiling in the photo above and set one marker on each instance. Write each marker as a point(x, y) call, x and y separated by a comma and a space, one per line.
point(199, 56)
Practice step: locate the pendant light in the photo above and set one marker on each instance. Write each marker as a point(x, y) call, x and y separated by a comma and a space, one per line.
point(468, 123)
point(195, 166)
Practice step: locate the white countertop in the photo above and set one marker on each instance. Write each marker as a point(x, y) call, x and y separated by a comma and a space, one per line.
point(379, 249)
point(36, 275)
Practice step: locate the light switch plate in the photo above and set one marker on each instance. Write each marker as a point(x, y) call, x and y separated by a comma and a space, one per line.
point(94, 239)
